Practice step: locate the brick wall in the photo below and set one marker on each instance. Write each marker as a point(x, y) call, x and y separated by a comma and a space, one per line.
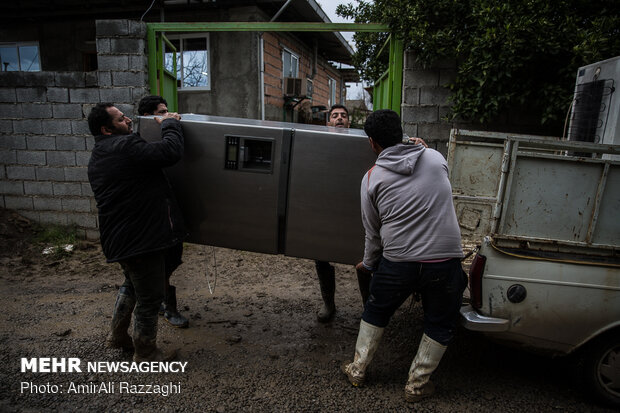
point(273, 43)
point(44, 138)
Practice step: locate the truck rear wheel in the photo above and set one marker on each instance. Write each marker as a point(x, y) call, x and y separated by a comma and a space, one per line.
point(602, 369)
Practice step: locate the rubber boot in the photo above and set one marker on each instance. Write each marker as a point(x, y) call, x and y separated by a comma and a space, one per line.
point(121, 318)
point(327, 282)
point(145, 344)
point(363, 281)
point(426, 361)
point(169, 310)
point(367, 343)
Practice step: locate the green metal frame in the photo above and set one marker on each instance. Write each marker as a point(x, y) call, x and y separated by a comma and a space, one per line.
point(388, 91)
point(390, 82)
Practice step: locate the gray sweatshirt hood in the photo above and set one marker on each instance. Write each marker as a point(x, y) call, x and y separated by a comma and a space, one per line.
point(400, 158)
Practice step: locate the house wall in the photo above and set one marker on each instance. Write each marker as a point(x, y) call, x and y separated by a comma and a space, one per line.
point(44, 138)
point(426, 103)
point(274, 42)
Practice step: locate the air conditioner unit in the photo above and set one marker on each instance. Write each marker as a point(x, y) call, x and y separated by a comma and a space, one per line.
point(297, 87)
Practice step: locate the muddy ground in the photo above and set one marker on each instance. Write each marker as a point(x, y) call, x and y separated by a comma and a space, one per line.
point(253, 344)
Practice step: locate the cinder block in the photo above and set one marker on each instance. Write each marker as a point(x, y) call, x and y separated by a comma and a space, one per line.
point(138, 62)
point(38, 78)
point(47, 204)
point(92, 234)
point(28, 126)
point(91, 79)
point(31, 215)
point(41, 142)
point(76, 204)
point(18, 202)
point(50, 174)
point(67, 111)
point(137, 28)
point(56, 127)
point(53, 218)
point(115, 94)
point(70, 79)
point(82, 220)
point(447, 77)
point(13, 142)
point(60, 158)
point(37, 110)
point(11, 79)
point(84, 95)
point(108, 28)
point(78, 174)
point(127, 46)
point(7, 94)
point(82, 158)
point(31, 158)
point(64, 188)
point(87, 190)
point(128, 110)
point(20, 172)
point(419, 78)
point(411, 129)
point(31, 94)
point(80, 127)
point(434, 95)
point(412, 96)
point(12, 187)
point(6, 126)
point(8, 156)
point(103, 46)
point(129, 79)
point(105, 78)
point(439, 132)
point(38, 188)
point(70, 143)
point(419, 114)
point(90, 143)
point(113, 62)
point(58, 94)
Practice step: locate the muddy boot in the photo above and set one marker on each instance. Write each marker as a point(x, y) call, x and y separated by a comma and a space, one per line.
point(145, 343)
point(123, 308)
point(363, 281)
point(168, 309)
point(367, 343)
point(327, 282)
point(426, 361)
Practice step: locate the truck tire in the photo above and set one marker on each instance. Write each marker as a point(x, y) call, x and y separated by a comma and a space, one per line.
point(601, 363)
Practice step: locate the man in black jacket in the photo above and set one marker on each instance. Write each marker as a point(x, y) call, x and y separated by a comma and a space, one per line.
point(139, 219)
point(148, 106)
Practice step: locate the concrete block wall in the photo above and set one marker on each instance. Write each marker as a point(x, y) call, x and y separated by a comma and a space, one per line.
point(426, 103)
point(44, 138)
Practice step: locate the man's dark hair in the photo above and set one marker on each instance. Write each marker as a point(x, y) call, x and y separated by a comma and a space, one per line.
point(338, 106)
point(383, 126)
point(148, 104)
point(99, 117)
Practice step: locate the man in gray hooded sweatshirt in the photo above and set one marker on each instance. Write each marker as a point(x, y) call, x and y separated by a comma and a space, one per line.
point(413, 244)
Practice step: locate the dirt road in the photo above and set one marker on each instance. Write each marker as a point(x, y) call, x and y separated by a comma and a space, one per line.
point(253, 345)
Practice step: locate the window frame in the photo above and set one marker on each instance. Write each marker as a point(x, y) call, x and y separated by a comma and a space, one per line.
point(293, 54)
point(180, 65)
point(331, 86)
point(17, 45)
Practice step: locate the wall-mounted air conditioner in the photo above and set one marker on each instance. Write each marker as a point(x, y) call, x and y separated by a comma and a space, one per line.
point(297, 87)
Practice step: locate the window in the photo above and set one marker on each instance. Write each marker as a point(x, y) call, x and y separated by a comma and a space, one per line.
point(331, 84)
point(290, 64)
point(193, 63)
point(22, 56)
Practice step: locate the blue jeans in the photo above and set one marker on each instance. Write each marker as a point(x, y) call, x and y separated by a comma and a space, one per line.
point(440, 285)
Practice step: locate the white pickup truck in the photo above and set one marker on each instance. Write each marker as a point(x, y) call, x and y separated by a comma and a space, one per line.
point(546, 275)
